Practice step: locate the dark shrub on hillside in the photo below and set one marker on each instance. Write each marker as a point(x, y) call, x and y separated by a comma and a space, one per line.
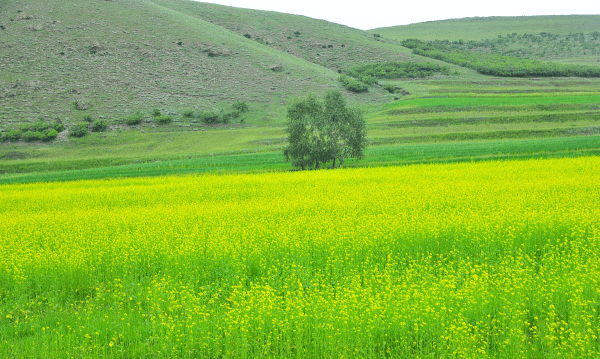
point(57, 125)
point(31, 136)
point(134, 119)
point(188, 113)
point(78, 130)
point(156, 113)
point(49, 135)
point(390, 88)
point(240, 106)
point(13, 135)
point(99, 126)
point(353, 85)
point(209, 117)
point(163, 120)
point(88, 118)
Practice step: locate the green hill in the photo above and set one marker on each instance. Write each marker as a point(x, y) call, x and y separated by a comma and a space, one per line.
point(479, 28)
point(331, 45)
point(116, 57)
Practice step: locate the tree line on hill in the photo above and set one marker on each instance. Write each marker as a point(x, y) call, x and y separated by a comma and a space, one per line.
point(359, 78)
point(496, 64)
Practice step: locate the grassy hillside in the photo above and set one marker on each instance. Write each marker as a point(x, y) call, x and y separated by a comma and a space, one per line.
point(331, 45)
point(117, 57)
point(479, 28)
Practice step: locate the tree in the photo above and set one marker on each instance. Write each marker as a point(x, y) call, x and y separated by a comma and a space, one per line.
point(323, 132)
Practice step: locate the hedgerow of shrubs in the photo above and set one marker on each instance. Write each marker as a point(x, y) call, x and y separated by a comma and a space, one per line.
point(352, 84)
point(224, 116)
point(163, 120)
point(369, 73)
point(36, 131)
point(496, 64)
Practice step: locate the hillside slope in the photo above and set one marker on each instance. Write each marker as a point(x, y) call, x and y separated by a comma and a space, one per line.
point(116, 57)
point(479, 28)
point(331, 45)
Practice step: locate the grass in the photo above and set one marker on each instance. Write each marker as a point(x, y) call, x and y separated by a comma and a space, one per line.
point(148, 68)
point(466, 100)
point(479, 28)
point(445, 152)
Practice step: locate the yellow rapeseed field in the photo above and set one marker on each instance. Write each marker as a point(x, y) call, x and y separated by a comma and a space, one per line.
point(473, 260)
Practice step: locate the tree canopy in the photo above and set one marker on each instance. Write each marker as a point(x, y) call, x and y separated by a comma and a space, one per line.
point(320, 132)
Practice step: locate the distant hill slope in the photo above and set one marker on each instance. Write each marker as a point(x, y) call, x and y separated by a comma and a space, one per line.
point(331, 45)
point(115, 57)
point(479, 28)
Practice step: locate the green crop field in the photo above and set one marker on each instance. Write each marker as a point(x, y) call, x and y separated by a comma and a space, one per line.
point(493, 259)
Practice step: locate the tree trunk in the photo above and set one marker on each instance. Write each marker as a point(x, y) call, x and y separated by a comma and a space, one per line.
point(333, 166)
point(317, 164)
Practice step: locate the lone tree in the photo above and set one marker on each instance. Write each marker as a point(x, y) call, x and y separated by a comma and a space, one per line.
point(323, 132)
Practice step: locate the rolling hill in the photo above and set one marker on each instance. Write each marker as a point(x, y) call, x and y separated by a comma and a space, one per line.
point(479, 28)
point(116, 57)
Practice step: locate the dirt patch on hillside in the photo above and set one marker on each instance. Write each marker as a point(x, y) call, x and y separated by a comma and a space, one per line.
point(14, 155)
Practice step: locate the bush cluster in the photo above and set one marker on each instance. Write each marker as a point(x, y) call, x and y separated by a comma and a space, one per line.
point(36, 131)
point(134, 119)
point(352, 84)
point(163, 120)
point(78, 130)
point(369, 73)
point(99, 126)
point(497, 64)
point(224, 116)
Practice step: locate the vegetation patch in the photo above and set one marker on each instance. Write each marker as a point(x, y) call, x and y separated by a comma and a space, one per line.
point(496, 64)
point(353, 85)
point(396, 70)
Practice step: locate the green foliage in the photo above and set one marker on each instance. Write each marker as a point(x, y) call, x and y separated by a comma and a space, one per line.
point(99, 126)
point(57, 125)
point(323, 132)
point(156, 113)
point(135, 119)
point(88, 118)
point(24, 127)
point(36, 131)
point(13, 135)
point(390, 88)
point(49, 135)
point(31, 136)
point(240, 106)
point(188, 113)
point(496, 64)
point(247, 36)
point(163, 120)
point(209, 117)
point(353, 85)
point(78, 130)
point(396, 70)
